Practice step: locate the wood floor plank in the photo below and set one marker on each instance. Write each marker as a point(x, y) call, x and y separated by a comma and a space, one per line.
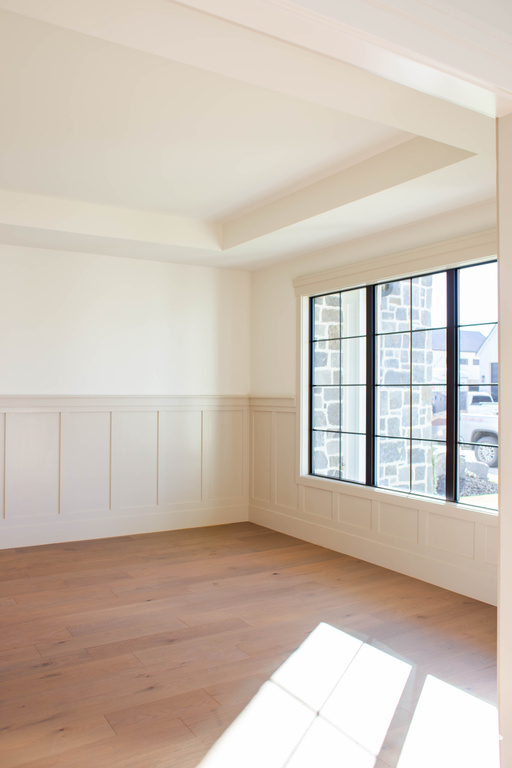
point(35, 741)
point(194, 702)
point(138, 651)
point(134, 644)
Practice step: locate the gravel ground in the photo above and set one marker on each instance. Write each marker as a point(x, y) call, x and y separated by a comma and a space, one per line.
point(477, 486)
point(471, 486)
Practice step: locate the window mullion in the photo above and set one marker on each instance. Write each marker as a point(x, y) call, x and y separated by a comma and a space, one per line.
point(370, 385)
point(311, 338)
point(451, 384)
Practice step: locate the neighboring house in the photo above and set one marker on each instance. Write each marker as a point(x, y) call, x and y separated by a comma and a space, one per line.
point(488, 363)
point(478, 356)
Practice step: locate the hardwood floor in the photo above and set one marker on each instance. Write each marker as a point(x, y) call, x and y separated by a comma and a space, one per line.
point(140, 651)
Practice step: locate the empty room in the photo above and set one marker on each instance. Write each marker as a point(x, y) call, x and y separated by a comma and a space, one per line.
point(254, 373)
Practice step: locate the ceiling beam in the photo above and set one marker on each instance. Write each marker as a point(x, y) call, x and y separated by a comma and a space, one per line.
point(410, 160)
point(19, 209)
point(383, 41)
point(183, 34)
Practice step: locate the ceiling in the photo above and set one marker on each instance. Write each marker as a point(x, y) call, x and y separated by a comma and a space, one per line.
point(238, 134)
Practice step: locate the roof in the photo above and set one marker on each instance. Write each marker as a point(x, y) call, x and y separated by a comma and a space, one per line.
point(469, 341)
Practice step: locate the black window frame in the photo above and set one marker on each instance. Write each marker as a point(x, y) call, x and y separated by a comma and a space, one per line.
point(453, 364)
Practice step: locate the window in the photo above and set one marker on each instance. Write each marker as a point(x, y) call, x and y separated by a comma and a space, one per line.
point(393, 403)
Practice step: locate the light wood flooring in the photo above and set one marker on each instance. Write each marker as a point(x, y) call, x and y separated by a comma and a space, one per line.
point(138, 652)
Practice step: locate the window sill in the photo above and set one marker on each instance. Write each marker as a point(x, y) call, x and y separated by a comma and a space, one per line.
point(452, 509)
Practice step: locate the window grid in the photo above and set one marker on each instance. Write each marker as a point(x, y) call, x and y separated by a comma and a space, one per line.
point(421, 437)
point(413, 441)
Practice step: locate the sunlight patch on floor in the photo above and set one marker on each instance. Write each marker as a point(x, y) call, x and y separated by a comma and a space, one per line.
point(334, 694)
point(331, 703)
point(449, 728)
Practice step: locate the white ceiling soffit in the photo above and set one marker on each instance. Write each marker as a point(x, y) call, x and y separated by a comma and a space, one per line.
point(148, 129)
point(458, 50)
point(171, 30)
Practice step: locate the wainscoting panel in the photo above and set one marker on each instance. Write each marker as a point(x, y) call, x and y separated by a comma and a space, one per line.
point(354, 511)
point(224, 455)
point(179, 457)
point(261, 444)
point(134, 459)
point(491, 545)
point(85, 456)
point(318, 503)
point(91, 467)
point(32, 465)
point(2, 463)
point(429, 540)
point(286, 494)
point(451, 535)
point(398, 522)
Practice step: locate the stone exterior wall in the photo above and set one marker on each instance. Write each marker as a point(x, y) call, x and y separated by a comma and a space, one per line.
point(327, 400)
point(401, 465)
point(404, 358)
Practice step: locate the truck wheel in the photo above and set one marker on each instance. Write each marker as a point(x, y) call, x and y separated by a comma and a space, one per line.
point(487, 453)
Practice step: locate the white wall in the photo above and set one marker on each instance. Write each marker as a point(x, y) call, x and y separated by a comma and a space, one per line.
point(445, 544)
point(505, 356)
point(273, 309)
point(123, 396)
point(75, 324)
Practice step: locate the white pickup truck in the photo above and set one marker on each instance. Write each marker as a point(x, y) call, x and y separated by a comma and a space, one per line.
point(479, 425)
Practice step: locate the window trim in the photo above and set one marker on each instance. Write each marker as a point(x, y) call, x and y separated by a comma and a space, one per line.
point(464, 251)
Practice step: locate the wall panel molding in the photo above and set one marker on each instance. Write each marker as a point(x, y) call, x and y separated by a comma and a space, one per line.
point(438, 542)
point(2, 466)
point(32, 465)
point(82, 468)
point(90, 467)
point(98, 403)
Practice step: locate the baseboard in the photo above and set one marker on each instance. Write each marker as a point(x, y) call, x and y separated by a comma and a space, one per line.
point(465, 581)
point(125, 523)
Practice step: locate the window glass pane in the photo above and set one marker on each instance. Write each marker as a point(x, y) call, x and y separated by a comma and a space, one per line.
point(478, 413)
point(393, 306)
point(478, 356)
point(429, 301)
point(478, 391)
point(392, 411)
point(353, 312)
point(477, 488)
point(392, 463)
point(325, 454)
point(353, 458)
point(353, 361)
point(478, 427)
point(478, 294)
point(428, 468)
point(336, 408)
point(326, 362)
point(422, 352)
point(429, 412)
point(393, 359)
point(476, 400)
point(439, 356)
point(326, 316)
point(410, 387)
point(326, 408)
point(353, 409)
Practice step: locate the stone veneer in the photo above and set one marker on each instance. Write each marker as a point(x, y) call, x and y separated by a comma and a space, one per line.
point(400, 354)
